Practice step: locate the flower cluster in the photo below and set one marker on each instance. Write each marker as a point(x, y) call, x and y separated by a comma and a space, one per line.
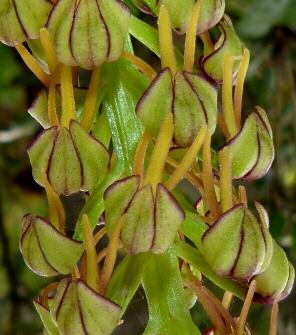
point(126, 146)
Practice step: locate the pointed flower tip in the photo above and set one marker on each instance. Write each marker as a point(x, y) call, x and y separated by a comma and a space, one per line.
point(72, 159)
point(88, 33)
point(73, 306)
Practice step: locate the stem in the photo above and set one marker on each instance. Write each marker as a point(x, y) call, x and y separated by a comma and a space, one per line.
point(160, 153)
point(243, 195)
point(99, 235)
point(68, 101)
point(111, 256)
point(168, 57)
point(245, 309)
point(225, 179)
point(227, 98)
point(208, 179)
point(55, 207)
point(101, 255)
point(227, 299)
point(49, 50)
point(139, 161)
point(239, 88)
point(222, 125)
point(91, 99)
point(52, 110)
point(274, 319)
point(188, 159)
point(91, 256)
point(141, 65)
point(190, 41)
point(33, 64)
point(208, 44)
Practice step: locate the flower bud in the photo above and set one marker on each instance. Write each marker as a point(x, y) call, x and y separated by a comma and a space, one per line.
point(234, 245)
point(252, 148)
point(77, 309)
point(277, 281)
point(72, 159)
point(88, 33)
point(46, 251)
point(191, 98)
point(21, 20)
point(212, 62)
point(151, 223)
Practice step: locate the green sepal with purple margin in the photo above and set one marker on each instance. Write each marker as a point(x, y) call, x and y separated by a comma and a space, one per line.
point(46, 319)
point(21, 20)
point(228, 42)
point(88, 33)
point(77, 309)
point(277, 281)
point(234, 245)
point(252, 148)
point(46, 251)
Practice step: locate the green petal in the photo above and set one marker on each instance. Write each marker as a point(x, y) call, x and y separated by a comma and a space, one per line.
point(45, 317)
point(138, 231)
point(93, 156)
point(21, 20)
point(40, 153)
point(195, 104)
point(272, 283)
point(290, 282)
point(168, 219)
point(65, 168)
point(80, 310)
point(117, 198)
point(156, 102)
point(211, 13)
point(228, 42)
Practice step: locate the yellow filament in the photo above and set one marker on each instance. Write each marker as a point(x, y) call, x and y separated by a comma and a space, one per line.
point(56, 210)
point(99, 235)
point(168, 57)
point(190, 41)
point(49, 49)
point(208, 44)
point(111, 256)
point(188, 159)
point(102, 254)
point(68, 101)
point(225, 179)
point(91, 99)
point(243, 195)
point(227, 98)
point(141, 65)
point(33, 64)
point(227, 299)
point(160, 152)
point(76, 272)
point(274, 319)
point(140, 154)
point(52, 110)
point(245, 310)
point(208, 179)
point(91, 256)
point(239, 88)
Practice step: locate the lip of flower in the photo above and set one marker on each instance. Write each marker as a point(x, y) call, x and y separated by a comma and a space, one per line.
point(73, 305)
point(191, 99)
point(46, 251)
point(18, 22)
point(72, 159)
point(88, 33)
point(252, 148)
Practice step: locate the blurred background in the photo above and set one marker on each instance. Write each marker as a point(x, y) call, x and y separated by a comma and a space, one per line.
point(268, 28)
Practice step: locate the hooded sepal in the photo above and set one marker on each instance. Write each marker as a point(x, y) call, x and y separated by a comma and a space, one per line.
point(234, 245)
point(191, 98)
point(252, 148)
point(89, 32)
point(277, 281)
point(72, 159)
point(228, 43)
point(46, 251)
point(21, 20)
point(46, 319)
point(77, 309)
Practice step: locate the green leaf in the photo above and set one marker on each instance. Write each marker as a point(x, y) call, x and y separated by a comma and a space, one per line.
point(195, 258)
point(126, 279)
point(168, 313)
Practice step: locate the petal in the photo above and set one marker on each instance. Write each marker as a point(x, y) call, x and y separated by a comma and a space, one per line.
point(46, 319)
point(38, 110)
point(211, 12)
